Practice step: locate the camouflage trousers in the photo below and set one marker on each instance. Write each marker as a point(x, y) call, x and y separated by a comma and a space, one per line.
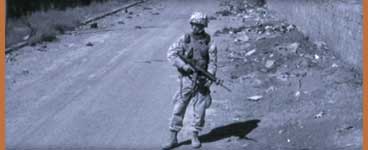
point(200, 96)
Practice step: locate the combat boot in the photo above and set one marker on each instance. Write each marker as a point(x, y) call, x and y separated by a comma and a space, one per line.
point(173, 141)
point(195, 140)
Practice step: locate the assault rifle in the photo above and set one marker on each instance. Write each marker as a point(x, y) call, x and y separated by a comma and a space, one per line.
point(203, 72)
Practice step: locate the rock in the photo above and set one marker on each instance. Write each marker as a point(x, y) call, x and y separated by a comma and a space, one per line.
point(250, 52)
point(94, 25)
point(334, 65)
point(261, 10)
point(243, 38)
point(282, 29)
point(281, 131)
point(263, 70)
point(25, 72)
point(316, 57)
point(246, 16)
point(297, 93)
point(293, 47)
point(290, 27)
point(248, 76)
point(255, 98)
point(138, 27)
point(344, 129)
point(156, 13)
point(319, 115)
point(283, 76)
point(10, 58)
point(255, 3)
point(26, 37)
point(70, 45)
point(245, 145)
point(269, 64)
point(147, 8)
point(268, 28)
point(251, 11)
point(321, 45)
point(212, 18)
point(42, 49)
point(245, 46)
point(234, 77)
point(233, 54)
point(260, 38)
point(224, 13)
point(89, 44)
point(270, 89)
point(217, 33)
point(236, 119)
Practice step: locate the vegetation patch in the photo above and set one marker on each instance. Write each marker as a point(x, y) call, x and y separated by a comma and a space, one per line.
point(45, 22)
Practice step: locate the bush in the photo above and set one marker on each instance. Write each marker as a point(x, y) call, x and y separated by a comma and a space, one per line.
point(45, 25)
point(18, 8)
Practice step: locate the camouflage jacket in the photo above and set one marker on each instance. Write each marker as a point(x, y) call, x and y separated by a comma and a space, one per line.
point(182, 46)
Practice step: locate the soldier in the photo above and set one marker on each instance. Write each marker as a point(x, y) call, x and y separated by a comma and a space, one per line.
point(197, 47)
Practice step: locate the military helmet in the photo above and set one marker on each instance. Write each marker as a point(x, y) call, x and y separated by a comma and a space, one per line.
point(199, 18)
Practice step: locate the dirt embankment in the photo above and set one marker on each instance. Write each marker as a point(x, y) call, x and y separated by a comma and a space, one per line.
point(337, 22)
point(289, 91)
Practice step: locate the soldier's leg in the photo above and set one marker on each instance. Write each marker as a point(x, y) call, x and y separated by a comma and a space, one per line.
point(182, 99)
point(202, 102)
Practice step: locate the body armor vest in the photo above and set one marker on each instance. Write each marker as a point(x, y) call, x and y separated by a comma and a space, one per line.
point(197, 49)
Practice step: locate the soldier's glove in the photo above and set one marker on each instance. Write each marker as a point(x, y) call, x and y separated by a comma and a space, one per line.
point(208, 83)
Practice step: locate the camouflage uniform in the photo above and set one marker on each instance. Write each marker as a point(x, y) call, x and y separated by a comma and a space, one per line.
point(200, 49)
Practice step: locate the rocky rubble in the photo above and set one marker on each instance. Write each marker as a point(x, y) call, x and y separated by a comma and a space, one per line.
point(286, 80)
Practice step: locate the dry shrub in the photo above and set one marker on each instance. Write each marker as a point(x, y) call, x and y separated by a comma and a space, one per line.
point(46, 25)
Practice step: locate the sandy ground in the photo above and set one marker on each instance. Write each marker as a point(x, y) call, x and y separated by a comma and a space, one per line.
point(111, 87)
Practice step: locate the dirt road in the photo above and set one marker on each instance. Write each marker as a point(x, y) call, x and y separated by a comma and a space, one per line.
point(110, 87)
point(114, 94)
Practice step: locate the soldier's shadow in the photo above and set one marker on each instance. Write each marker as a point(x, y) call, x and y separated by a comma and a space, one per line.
point(238, 129)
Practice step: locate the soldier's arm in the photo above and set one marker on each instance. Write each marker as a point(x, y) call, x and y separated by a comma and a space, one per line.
point(212, 65)
point(174, 50)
